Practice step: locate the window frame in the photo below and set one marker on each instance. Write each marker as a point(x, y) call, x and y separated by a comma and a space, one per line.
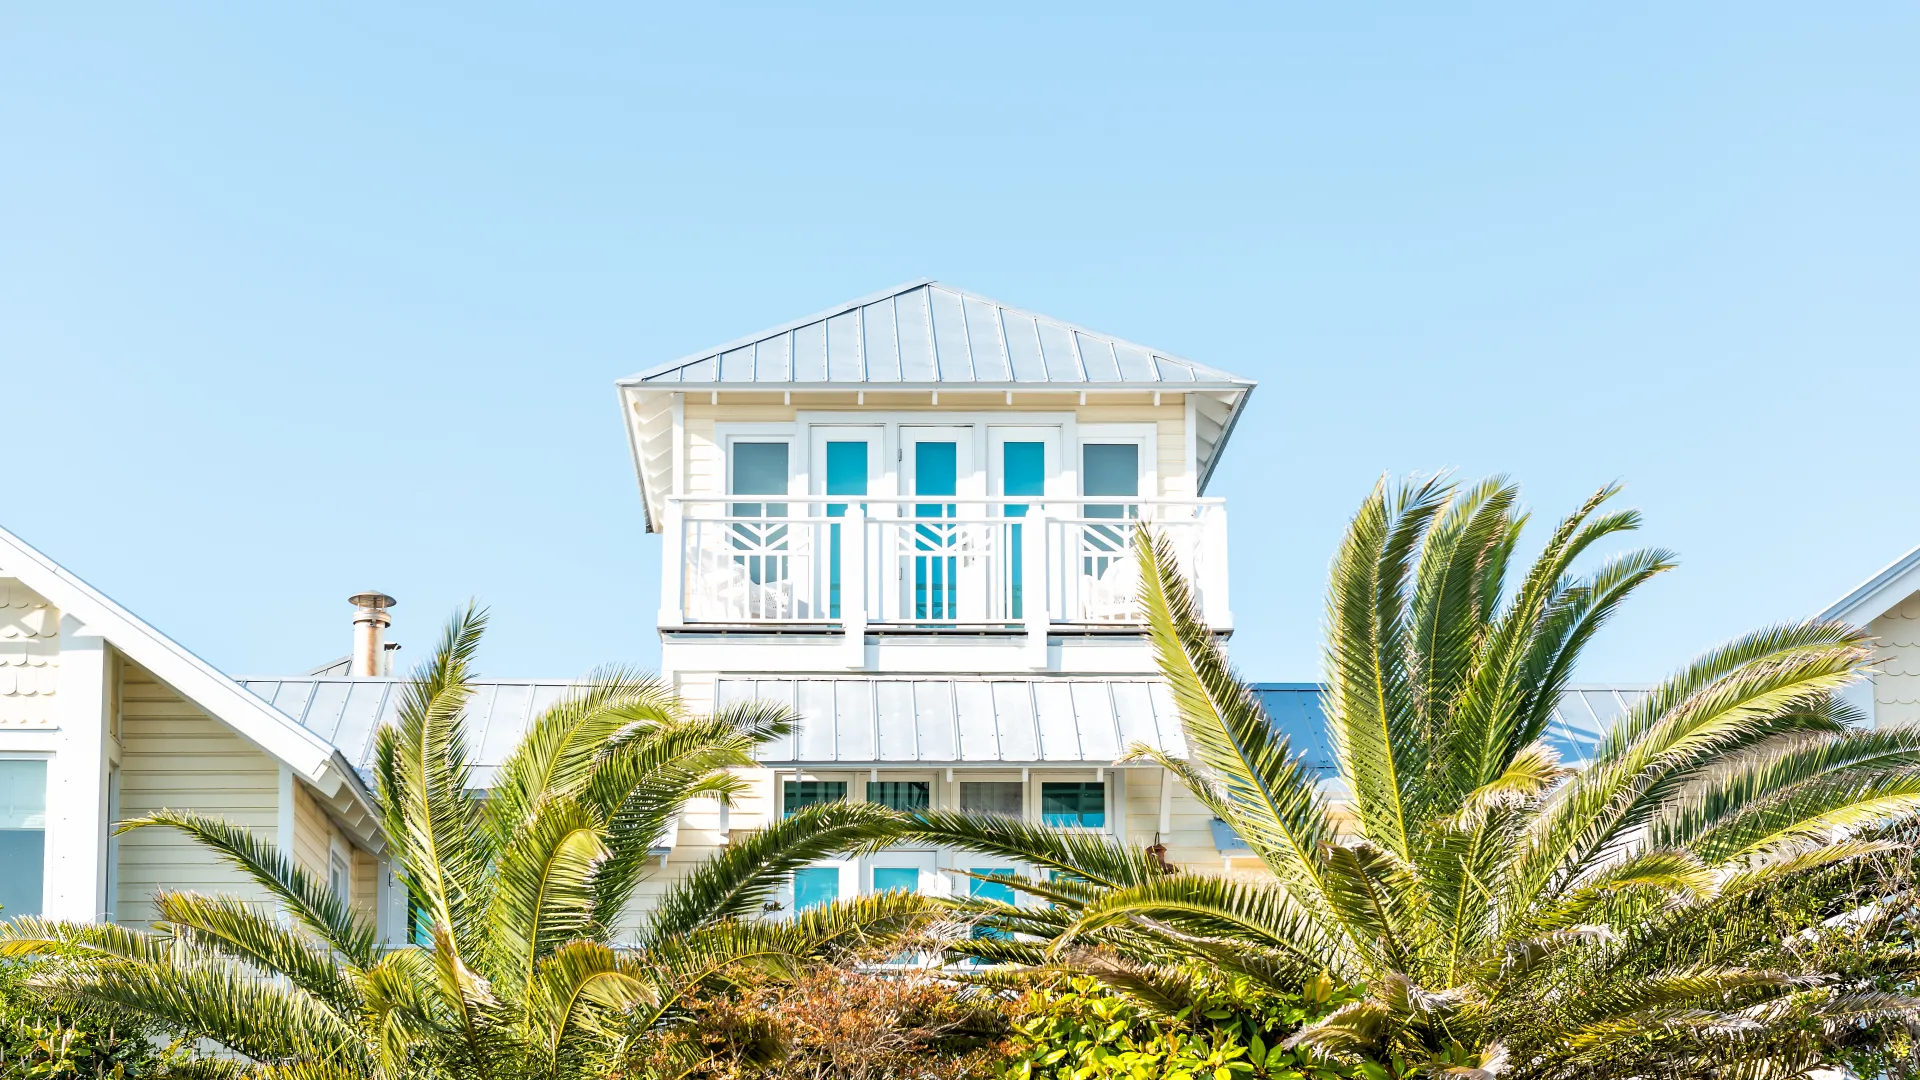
point(46, 846)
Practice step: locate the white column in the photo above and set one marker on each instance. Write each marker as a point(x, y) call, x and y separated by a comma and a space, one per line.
point(77, 780)
point(853, 584)
point(1036, 532)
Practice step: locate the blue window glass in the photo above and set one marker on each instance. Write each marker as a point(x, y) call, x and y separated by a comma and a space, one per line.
point(846, 475)
point(1074, 805)
point(896, 879)
point(23, 837)
point(815, 885)
point(1023, 471)
point(936, 471)
point(990, 890)
point(1110, 469)
point(899, 794)
point(801, 793)
point(759, 468)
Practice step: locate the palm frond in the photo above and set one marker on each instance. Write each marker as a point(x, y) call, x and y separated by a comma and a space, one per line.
point(754, 865)
point(308, 900)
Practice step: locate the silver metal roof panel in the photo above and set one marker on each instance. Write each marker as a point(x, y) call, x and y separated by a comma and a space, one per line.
point(926, 333)
point(956, 721)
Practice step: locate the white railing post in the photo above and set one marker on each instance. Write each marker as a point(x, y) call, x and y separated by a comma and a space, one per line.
point(1213, 549)
point(1036, 534)
point(853, 585)
point(673, 565)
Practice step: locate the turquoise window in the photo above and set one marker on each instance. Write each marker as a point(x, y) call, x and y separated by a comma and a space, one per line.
point(936, 471)
point(896, 879)
point(814, 886)
point(900, 794)
point(1023, 471)
point(990, 890)
point(1074, 805)
point(846, 475)
point(803, 793)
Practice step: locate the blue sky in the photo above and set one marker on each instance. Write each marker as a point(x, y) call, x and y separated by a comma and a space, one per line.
point(297, 304)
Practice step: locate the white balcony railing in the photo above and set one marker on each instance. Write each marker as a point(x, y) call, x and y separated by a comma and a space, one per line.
point(969, 563)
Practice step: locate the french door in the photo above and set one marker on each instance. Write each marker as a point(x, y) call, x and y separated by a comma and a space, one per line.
point(939, 556)
point(845, 461)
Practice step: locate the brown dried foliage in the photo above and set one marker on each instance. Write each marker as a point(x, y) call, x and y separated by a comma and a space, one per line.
point(840, 1024)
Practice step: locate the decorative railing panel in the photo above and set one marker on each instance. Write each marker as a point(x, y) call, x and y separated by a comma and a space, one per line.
point(975, 564)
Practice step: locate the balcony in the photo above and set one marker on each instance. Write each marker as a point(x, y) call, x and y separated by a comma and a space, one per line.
point(915, 564)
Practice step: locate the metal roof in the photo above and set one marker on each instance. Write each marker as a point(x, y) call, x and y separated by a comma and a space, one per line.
point(953, 721)
point(922, 336)
point(856, 721)
point(927, 333)
point(1580, 718)
point(346, 711)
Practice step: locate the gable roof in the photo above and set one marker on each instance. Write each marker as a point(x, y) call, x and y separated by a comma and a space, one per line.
point(923, 335)
point(1880, 593)
point(309, 756)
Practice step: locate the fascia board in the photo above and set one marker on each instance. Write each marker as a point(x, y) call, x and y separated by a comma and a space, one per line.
point(1879, 594)
point(630, 420)
point(193, 678)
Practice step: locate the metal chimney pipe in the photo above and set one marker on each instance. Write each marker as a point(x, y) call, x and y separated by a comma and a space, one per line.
point(370, 622)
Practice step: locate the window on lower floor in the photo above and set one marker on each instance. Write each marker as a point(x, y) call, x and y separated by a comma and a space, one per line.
point(1003, 797)
point(814, 886)
point(1074, 805)
point(340, 875)
point(900, 794)
point(797, 794)
point(23, 837)
point(896, 879)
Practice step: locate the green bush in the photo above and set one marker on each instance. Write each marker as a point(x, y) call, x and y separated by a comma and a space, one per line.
point(1232, 1030)
point(44, 1040)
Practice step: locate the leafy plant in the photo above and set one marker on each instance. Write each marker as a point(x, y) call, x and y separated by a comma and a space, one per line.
point(1231, 1028)
point(1504, 913)
point(42, 1038)
point(520, 893)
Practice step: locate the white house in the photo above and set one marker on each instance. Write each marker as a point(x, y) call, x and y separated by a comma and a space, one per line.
point(103, 718)
point(1888, 605)
point(906, 517)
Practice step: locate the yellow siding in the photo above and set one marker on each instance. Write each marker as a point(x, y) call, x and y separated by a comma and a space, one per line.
point(29, 657)
point(1896, 686)
point(177, 757)
point(314, 837)
point(366, 884)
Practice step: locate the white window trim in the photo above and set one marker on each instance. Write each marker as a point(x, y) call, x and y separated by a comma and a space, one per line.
point(338, 852)
point(1145, 436)
point(725, 435)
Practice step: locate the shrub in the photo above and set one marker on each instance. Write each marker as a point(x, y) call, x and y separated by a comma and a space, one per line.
point(1232, 1030)
point(841, 1024)
point(41, 1039)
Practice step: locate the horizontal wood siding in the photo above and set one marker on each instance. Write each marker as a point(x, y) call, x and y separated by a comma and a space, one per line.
point(177, 757)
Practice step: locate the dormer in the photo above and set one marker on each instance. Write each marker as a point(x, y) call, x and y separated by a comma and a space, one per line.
point(925, 460)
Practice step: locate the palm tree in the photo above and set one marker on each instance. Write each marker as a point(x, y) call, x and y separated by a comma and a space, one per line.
point(1504, 913)
point(519, 894)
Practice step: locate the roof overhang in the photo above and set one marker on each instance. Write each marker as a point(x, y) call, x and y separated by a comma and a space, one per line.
point(651, 413)
point(309, 757)
point(922, 337)
point(1880, 593)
